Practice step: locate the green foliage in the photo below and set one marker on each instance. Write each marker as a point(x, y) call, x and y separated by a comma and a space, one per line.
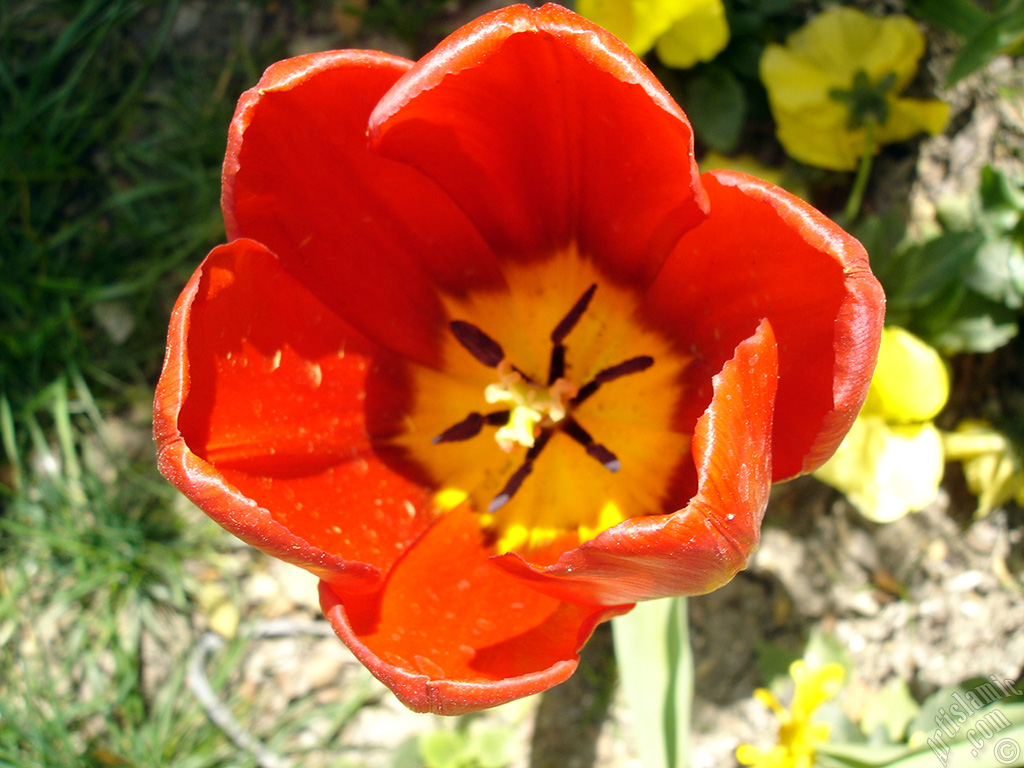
point(91, 560)
point(822, 648)
point(109, 161)
point(111, 139)
point(987, 738)
point(962, 288)
point(986, 34)
point(892, 710)
point(717, 106)
point(473, 745)
point(416, 22)
point(978, 722)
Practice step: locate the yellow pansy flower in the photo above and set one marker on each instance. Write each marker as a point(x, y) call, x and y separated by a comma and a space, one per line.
point(991, 464)
point(798, 735)
point(684, 32)
point(841, 71)
point(891, 461)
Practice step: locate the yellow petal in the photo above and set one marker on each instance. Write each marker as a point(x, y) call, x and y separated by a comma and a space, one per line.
point(886, 471)
point(697, 35)
point(909, 117)
point(638, 23)
point(972, 439)
point(910, 382)
point(992, 467)
point(819, 137)
point(796, 82)
point(810, 125)
point(843, 41)
point(814, 686)
point(748, 754)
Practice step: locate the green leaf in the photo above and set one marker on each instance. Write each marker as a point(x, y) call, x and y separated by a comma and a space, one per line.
point(881, 235)
point(998, 272)
point(832, 755)
point(982, 333)
point(775, 7)
point(942, 703)
point(999, 195)
point(823, 648)
point(773, 660)
point(743, 23)
point(989, 738)
point(407, 754)
point(442, 749)
point(956, 213)
point(923, 272)
point(959, 16)
point(655, 660)
point(490, 746)
point(985, 42)
point(891, 709)
point(743, 55)
point(717, 106)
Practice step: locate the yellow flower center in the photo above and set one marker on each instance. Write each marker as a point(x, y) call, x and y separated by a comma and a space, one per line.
point(553, 414)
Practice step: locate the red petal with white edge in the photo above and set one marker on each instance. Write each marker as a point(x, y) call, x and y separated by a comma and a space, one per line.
point(451, 632)
point(702, 546)
point(548, 132)
point(372, 238)
point(260, 419)
point(765, 253)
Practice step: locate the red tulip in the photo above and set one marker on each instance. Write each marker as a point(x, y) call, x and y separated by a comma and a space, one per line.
point(486, 355)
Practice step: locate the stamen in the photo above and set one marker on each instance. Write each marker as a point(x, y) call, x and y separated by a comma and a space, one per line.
point(498, 418)
point(465, 429)
point(607, 458)
point(477, 343)
point(556, 369)
point(572, 428)
point(633, 365)
point(511, 487)
point(568, 322)
point(520, 474)
point(471, 426)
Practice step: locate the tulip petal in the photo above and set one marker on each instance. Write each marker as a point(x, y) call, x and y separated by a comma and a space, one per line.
point(702, 546)
point(764, 253)
point(451, 632)
point(371, 238)
point(261, 419)
point(550, 135)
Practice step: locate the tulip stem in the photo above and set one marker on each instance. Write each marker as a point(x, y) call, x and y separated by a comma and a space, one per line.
point(655, 660)
point(860, 182)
